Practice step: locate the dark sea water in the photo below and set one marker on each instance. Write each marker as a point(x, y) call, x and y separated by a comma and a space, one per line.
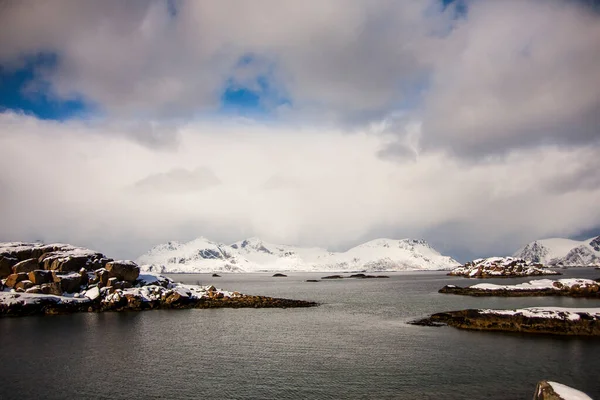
point(356, 345)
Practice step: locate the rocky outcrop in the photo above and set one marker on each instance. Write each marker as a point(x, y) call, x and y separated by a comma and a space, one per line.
point(501, 267)
point(52, 279)
point(554, 321)
point(543, 287)
point(547, 390)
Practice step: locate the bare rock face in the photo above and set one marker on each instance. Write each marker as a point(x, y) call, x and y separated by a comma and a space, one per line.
point(28, 265)
point(51, 288)
point(13, 279)
point(24, 285)
point(123, 270)
point(6, 264)
point(39, 277)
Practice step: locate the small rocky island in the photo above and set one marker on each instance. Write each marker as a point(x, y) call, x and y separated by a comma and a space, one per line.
point(40, 278)
point(585, 288)
point(541, 320)
point(501, 267)
point(548, 390)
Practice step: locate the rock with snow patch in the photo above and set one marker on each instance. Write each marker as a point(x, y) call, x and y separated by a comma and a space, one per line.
point(24, 284)
point(28, 265)
point(123, 270)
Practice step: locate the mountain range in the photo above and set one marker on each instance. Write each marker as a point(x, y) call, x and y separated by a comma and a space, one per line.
point(558, 252)
point(254, 255)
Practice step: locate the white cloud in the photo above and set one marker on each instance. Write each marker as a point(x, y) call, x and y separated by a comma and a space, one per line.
point(72, 182)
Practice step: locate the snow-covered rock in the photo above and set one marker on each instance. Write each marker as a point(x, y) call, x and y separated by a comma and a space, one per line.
point(539, 287)
point(500, 267)
point(254, 255)
point(562, 252)
point(548, 390)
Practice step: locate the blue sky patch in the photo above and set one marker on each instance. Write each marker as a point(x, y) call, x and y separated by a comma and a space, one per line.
point(24, 90)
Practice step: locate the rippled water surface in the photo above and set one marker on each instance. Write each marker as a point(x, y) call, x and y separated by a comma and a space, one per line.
point(355, 345)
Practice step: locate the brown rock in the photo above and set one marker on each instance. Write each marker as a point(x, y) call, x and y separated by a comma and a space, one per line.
point(25, 284)
point(28, 265)
point(69, 264)
point(52, 288)
point(112, 282)
point(34, 289)
point(85, 278)
point(123, 270)
point(39, 277)
point(6, 264)
point(68, 283)
point(102, 276)
point(13, 279)
point(545, 391)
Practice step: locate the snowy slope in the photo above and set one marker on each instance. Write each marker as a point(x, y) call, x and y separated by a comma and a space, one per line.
point(253, 255)
point(562, 252)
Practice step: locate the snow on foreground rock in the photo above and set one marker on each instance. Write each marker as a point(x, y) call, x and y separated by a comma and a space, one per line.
point(539, 287)
point(500, 267)
point(255, 255)
point(78, 279)
point(152, 291)
point(558, 252)
point(548, 390)
point(541, 320)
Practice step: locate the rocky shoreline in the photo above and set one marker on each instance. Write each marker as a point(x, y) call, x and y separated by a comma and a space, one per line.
point(542, 320)
point(39, 279)
point(583, 288)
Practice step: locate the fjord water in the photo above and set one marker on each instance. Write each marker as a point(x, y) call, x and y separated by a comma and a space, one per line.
point(355, 345)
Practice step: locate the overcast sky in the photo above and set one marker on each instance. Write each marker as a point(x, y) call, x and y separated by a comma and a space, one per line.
point(472, 124)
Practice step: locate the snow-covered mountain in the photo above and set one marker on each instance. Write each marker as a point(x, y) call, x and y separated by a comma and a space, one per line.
point(562, 252)
point(253, 255)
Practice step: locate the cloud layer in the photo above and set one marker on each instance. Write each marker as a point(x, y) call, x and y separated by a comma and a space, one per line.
point(73, 182)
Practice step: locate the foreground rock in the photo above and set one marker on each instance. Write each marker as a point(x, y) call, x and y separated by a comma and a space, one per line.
point(544, 320)
point(150, 292)
point(54, 279)
point(548, 390)
point(501, 267)
point(541, 287)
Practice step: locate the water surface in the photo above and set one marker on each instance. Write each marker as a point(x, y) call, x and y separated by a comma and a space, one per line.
point(355, 345)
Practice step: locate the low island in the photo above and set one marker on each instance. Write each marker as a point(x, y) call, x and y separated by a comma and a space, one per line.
point(501, 267)
point(540, 320)
point(585, 288)
point(37, 279)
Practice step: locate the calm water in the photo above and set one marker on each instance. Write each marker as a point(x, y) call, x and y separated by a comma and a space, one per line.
point(356, 345)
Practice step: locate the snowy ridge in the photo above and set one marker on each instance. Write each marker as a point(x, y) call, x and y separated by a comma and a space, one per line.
point(254, 255)
point(562, 252)
point(500, 267)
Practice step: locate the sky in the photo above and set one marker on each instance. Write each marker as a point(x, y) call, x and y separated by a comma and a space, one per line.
point(472, 124)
